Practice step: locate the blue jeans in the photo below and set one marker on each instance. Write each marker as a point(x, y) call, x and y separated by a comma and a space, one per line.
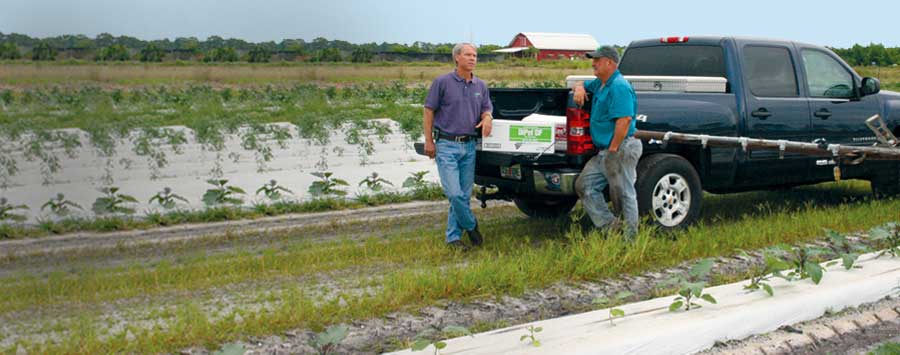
point(619, 171)
point(456, 166)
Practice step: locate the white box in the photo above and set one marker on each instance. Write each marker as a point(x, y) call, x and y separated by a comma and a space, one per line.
point(520, 137)
point(560, 125)
point(664, 83)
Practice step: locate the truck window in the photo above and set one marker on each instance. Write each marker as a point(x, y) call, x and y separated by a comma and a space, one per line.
point(674, 60)
point(769, 72)
point(825, 76)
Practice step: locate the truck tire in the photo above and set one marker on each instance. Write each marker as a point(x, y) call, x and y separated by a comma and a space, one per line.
point(887, 183)
point(545, 208)
point(668, 190)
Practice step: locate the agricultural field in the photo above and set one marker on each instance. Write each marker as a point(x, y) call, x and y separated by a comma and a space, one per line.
point(329, 256)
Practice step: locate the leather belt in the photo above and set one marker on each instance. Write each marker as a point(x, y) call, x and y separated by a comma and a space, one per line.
point(457, 139)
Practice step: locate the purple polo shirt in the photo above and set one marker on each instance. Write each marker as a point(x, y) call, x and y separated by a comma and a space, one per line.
point(458, 103)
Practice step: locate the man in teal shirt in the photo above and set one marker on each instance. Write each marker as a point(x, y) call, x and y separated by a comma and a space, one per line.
point(613, 109)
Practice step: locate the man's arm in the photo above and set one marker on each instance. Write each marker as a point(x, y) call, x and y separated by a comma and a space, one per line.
point(427, 127)
point(578, 93)
point(622, 126)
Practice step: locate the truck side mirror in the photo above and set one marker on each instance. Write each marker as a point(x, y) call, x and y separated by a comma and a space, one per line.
point(870, 86)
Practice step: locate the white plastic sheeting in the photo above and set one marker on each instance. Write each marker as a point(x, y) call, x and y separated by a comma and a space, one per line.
point(649, 328)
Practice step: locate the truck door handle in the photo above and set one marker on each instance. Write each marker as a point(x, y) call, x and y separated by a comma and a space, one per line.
point(823, 113)
point(761, 113)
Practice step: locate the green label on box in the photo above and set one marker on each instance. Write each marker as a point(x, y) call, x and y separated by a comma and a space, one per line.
point(539, 134)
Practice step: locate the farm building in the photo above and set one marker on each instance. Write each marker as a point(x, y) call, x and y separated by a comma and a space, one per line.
point(550, 45)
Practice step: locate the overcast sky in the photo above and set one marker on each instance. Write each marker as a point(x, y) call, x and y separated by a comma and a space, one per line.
point(830, 23)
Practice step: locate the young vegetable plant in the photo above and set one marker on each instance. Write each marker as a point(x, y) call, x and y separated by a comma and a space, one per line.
point(433, 337)
point(416, 180)
point(604, 302)
point(761, 276)
point(801, 262)
point(327, 185)
point(59, 206)
point(327, 342)
point(690, 286)
point(222, 193)
point(167, 199)
point(112, 202)
point(530, 336)
point(842, 246)
point(272, 191)
point(887, 237)
point(374, 182)
point(6, 211)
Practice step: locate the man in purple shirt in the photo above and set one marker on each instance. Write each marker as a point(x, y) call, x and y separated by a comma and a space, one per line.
point(458, 103)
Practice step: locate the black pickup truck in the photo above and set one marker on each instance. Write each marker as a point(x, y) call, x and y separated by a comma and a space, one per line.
point(773, 90)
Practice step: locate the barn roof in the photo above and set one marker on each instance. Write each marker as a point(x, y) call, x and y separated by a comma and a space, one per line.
point(570, 41)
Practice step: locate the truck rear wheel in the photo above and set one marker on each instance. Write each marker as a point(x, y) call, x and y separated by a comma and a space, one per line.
point(545, 208)
point(887, 183)
point(668, 190)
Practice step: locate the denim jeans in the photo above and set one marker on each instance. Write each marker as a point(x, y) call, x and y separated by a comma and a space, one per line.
point(619, 171)
point(456, 166)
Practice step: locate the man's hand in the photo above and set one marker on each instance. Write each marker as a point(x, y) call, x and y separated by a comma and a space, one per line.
point(430, 149)
point(486, 124)
point(579, 95)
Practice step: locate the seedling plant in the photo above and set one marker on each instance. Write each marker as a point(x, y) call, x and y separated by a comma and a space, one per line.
point(327, 185)
point(222, 193)
point(530, 336)
point(887, 237)
point(272, 191)
point(112, 202)
point(690, 286)
point(432, 336)
point(60, 206)
point(604, 302)
point(167, 199)
point(6, 211)
point(847, 250)
point(374, 182)
point(802, 263)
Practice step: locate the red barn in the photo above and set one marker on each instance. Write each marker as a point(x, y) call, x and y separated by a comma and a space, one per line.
point(551, 45)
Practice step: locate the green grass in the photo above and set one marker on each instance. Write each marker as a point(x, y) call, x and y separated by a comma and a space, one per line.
point(429, 192)
point(414, 269)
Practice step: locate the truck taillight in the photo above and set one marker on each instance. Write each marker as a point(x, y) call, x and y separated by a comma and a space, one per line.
point(673, 40)
point(578, 124)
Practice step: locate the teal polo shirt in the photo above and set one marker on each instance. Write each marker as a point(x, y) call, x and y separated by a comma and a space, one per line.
point(611, 101)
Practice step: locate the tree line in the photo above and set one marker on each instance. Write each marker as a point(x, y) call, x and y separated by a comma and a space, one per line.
point(106, 47)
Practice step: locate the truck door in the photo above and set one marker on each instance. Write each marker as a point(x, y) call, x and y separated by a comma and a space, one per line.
point(837, 113)
point(775, 110)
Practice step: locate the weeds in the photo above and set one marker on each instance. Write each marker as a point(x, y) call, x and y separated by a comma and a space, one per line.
point(690, 286)
point(328, 341)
